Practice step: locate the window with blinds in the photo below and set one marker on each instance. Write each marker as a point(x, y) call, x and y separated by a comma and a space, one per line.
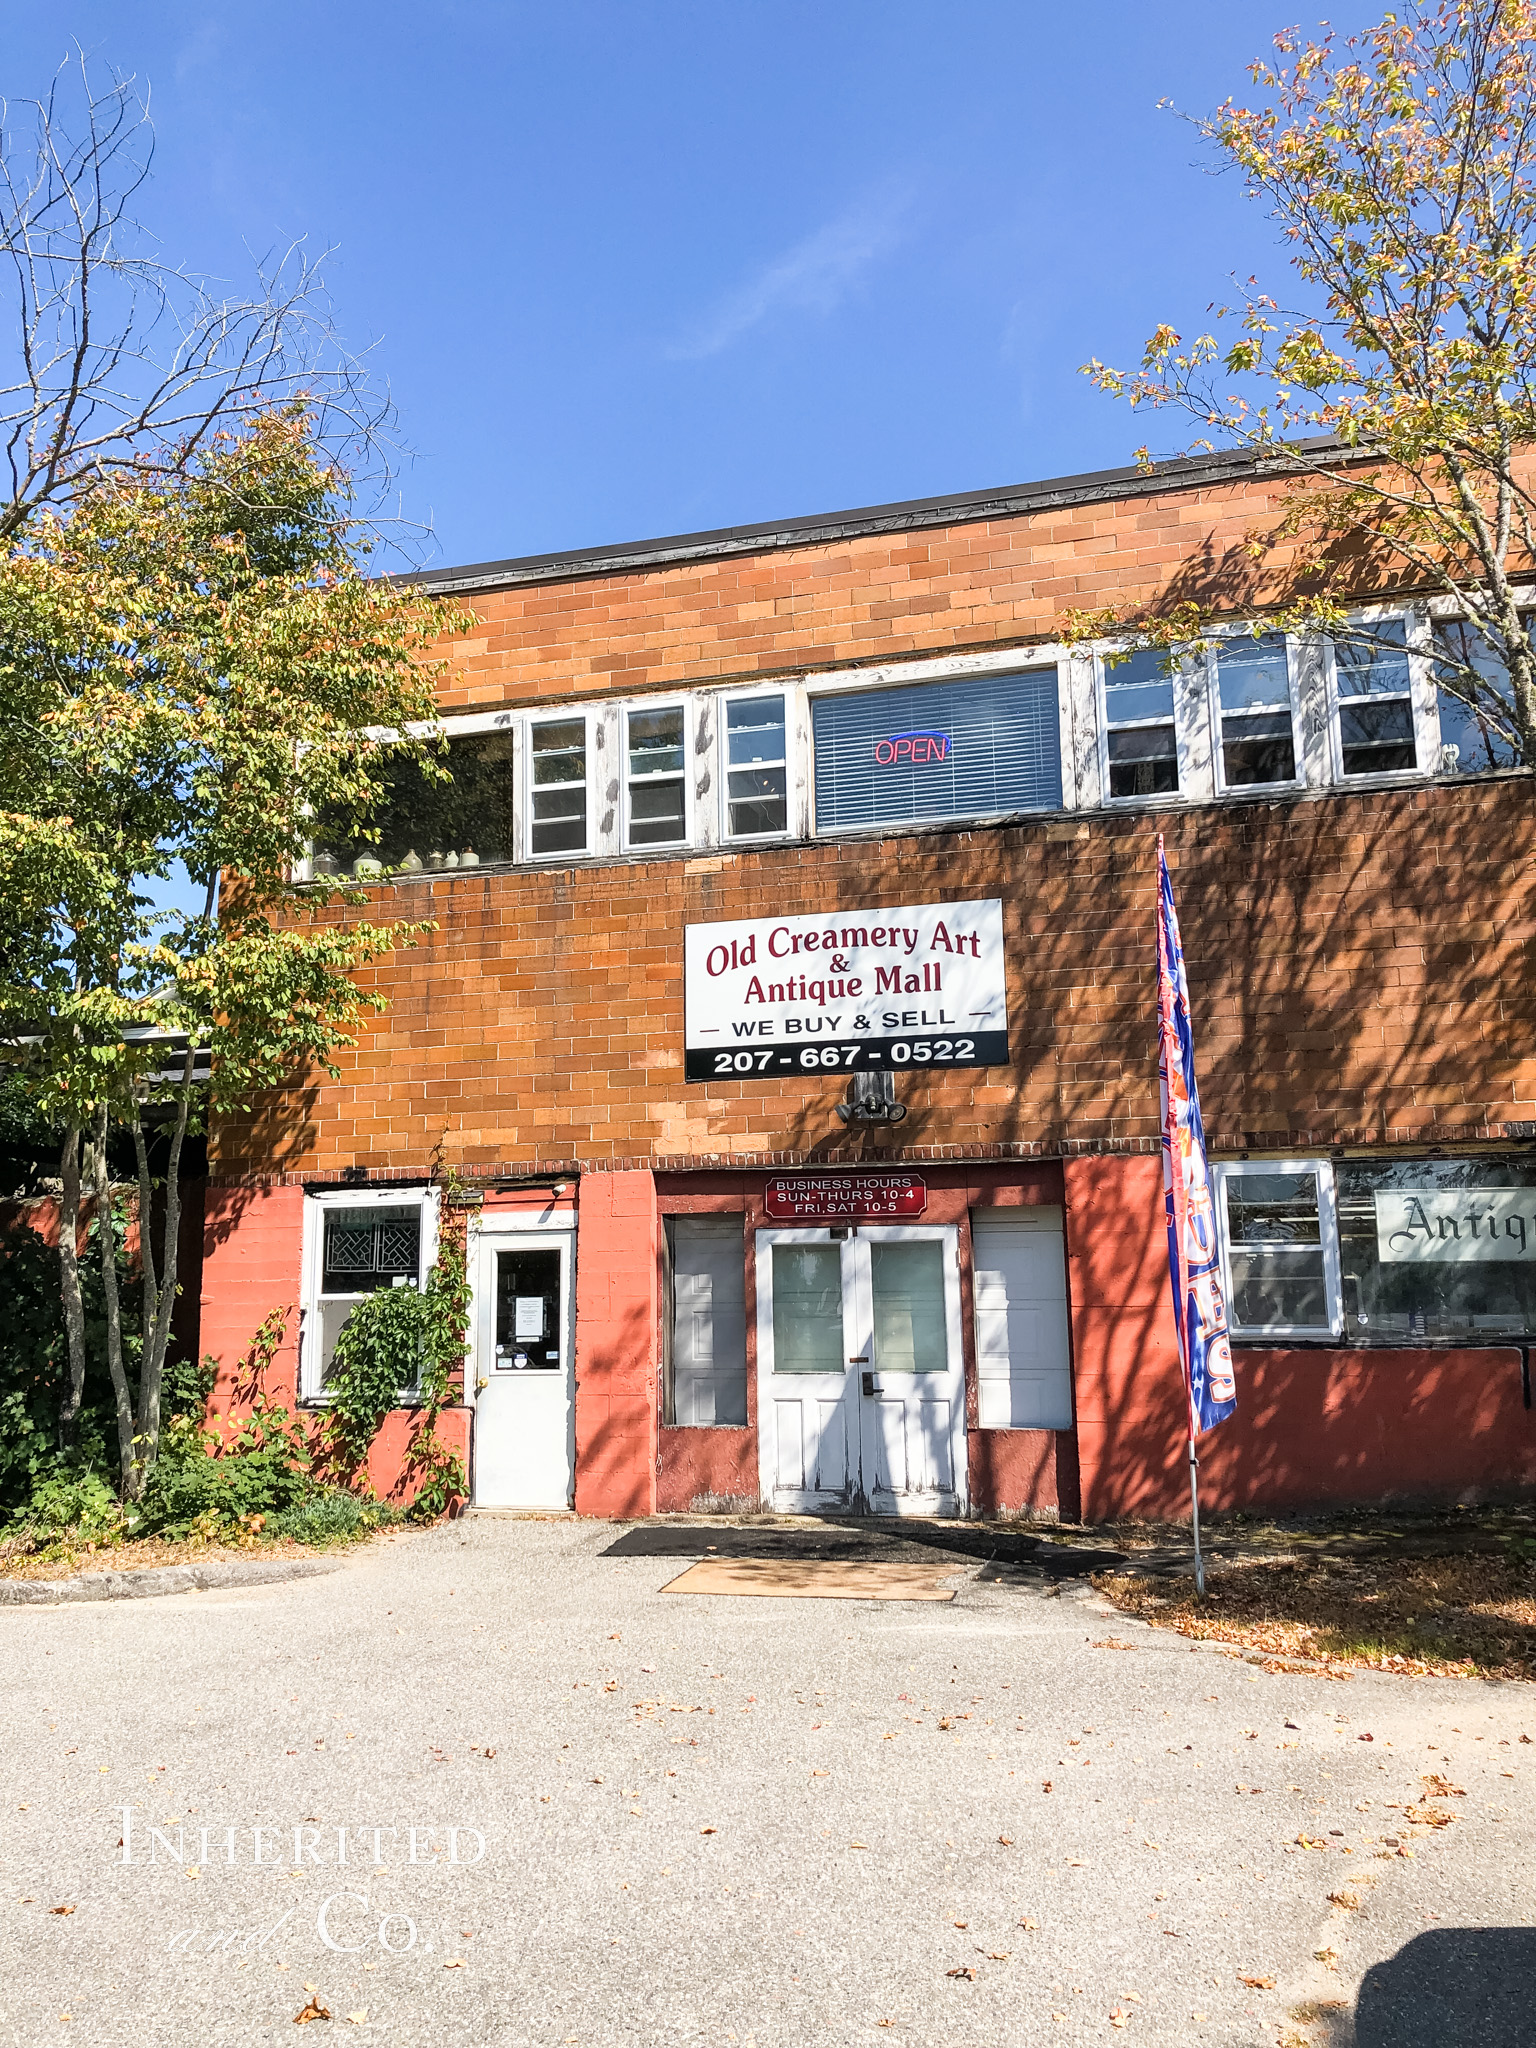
point(966, 747)
point(707, 1352)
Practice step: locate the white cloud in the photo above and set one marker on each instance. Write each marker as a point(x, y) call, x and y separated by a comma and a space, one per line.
point(814, 276)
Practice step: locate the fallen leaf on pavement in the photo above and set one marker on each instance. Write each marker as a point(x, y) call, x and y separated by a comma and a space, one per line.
point(454, 1963)
point(61, 1909)
point(1005, 1841)
point(964, 1971)
point(1257, 1983)
point(1046, 1786)
point(1439, 1788)
point(313, 2011)
point(1328, 1957)
point(1032, 1925)
point(359, 2019)
point(709, 1831)
point(1346, 1901)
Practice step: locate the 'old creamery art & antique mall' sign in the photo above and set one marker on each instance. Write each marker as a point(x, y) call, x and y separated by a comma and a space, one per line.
point(908, 985)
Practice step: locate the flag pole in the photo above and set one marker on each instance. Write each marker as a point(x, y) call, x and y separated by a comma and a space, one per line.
point(1194, 1271)
point(1194, 1496)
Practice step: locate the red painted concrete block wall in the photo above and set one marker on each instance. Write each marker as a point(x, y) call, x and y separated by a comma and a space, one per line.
point(1312, 1426)
point(253, 1249)
point(252, 1263)
point(1014, 1471)
point(1131, 1428)
point(706, 1466)
point(617, 1327)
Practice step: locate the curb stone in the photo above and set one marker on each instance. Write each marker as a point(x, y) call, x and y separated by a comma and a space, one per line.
point(154, 1580)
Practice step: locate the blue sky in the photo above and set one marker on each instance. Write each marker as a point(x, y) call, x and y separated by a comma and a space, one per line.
point(634, 267)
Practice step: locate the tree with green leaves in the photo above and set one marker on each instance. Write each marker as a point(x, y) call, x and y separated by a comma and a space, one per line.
point(1399, 402)
point(193, 666)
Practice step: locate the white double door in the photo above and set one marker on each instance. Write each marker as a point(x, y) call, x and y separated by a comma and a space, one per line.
point(861, 1377)
point(525, 1418)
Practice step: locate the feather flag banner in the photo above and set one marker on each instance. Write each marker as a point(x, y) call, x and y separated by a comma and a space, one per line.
point(1194, 1256)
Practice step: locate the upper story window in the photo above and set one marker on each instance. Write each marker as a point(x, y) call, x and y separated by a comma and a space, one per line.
point(756, 767)
point(1140, 740)
point(424, 822)
point(1255, 710)
point(962, 747)
point(1375, 700)
point(1473, 739)
point(557, 786)
point(658, 788)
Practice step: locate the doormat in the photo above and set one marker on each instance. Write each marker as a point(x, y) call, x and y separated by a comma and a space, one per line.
point(785, 1578)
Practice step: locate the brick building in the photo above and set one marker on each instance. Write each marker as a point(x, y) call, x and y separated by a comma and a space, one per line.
point(758, 835)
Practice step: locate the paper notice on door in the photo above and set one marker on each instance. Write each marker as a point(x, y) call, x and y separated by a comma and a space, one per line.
point(529, 1321)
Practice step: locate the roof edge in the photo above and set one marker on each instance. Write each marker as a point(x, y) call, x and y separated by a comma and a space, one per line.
point(1189, 472)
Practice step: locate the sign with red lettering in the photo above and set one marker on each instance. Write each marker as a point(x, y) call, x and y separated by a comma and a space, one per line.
point(911, 749)
point(844, 1197)
point(846, 990)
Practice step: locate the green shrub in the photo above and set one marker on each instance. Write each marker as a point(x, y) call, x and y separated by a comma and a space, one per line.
point(34, 1367)
point(332, 1516)
point(77, 1499)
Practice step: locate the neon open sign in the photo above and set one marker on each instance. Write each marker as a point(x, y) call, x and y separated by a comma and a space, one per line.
point(912, 749)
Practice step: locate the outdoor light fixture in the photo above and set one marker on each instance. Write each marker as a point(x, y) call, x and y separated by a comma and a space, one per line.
point(871, 1099)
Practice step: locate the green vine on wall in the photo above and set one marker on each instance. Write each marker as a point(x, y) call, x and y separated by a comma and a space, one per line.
point(397, 1340)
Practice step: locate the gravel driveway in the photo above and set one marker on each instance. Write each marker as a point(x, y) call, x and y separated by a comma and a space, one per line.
point(1016, 1818)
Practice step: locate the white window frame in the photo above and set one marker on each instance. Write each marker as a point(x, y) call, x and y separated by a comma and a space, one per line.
point(729, 1227)
point(642, 706)
point(1102, 669)
point(1425, 744)
point(998, 1388)
point(1213, 692)
point(901, 675)
point(723, 703)
point(554, 716)
point(313, 1270)
point(1328, 1231)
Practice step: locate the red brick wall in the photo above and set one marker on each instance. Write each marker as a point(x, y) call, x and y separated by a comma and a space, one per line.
point(1360, 965)
point(984, 584)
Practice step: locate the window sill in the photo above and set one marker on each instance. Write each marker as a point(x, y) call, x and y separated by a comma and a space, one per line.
point(1347, 1341)
point(320, 1404)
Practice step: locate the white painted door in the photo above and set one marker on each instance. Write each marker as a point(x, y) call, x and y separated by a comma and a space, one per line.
point(861, 1379)
point(524, 1448)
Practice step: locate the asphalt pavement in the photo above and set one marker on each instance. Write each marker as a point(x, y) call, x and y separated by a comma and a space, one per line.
point(506, 1789)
